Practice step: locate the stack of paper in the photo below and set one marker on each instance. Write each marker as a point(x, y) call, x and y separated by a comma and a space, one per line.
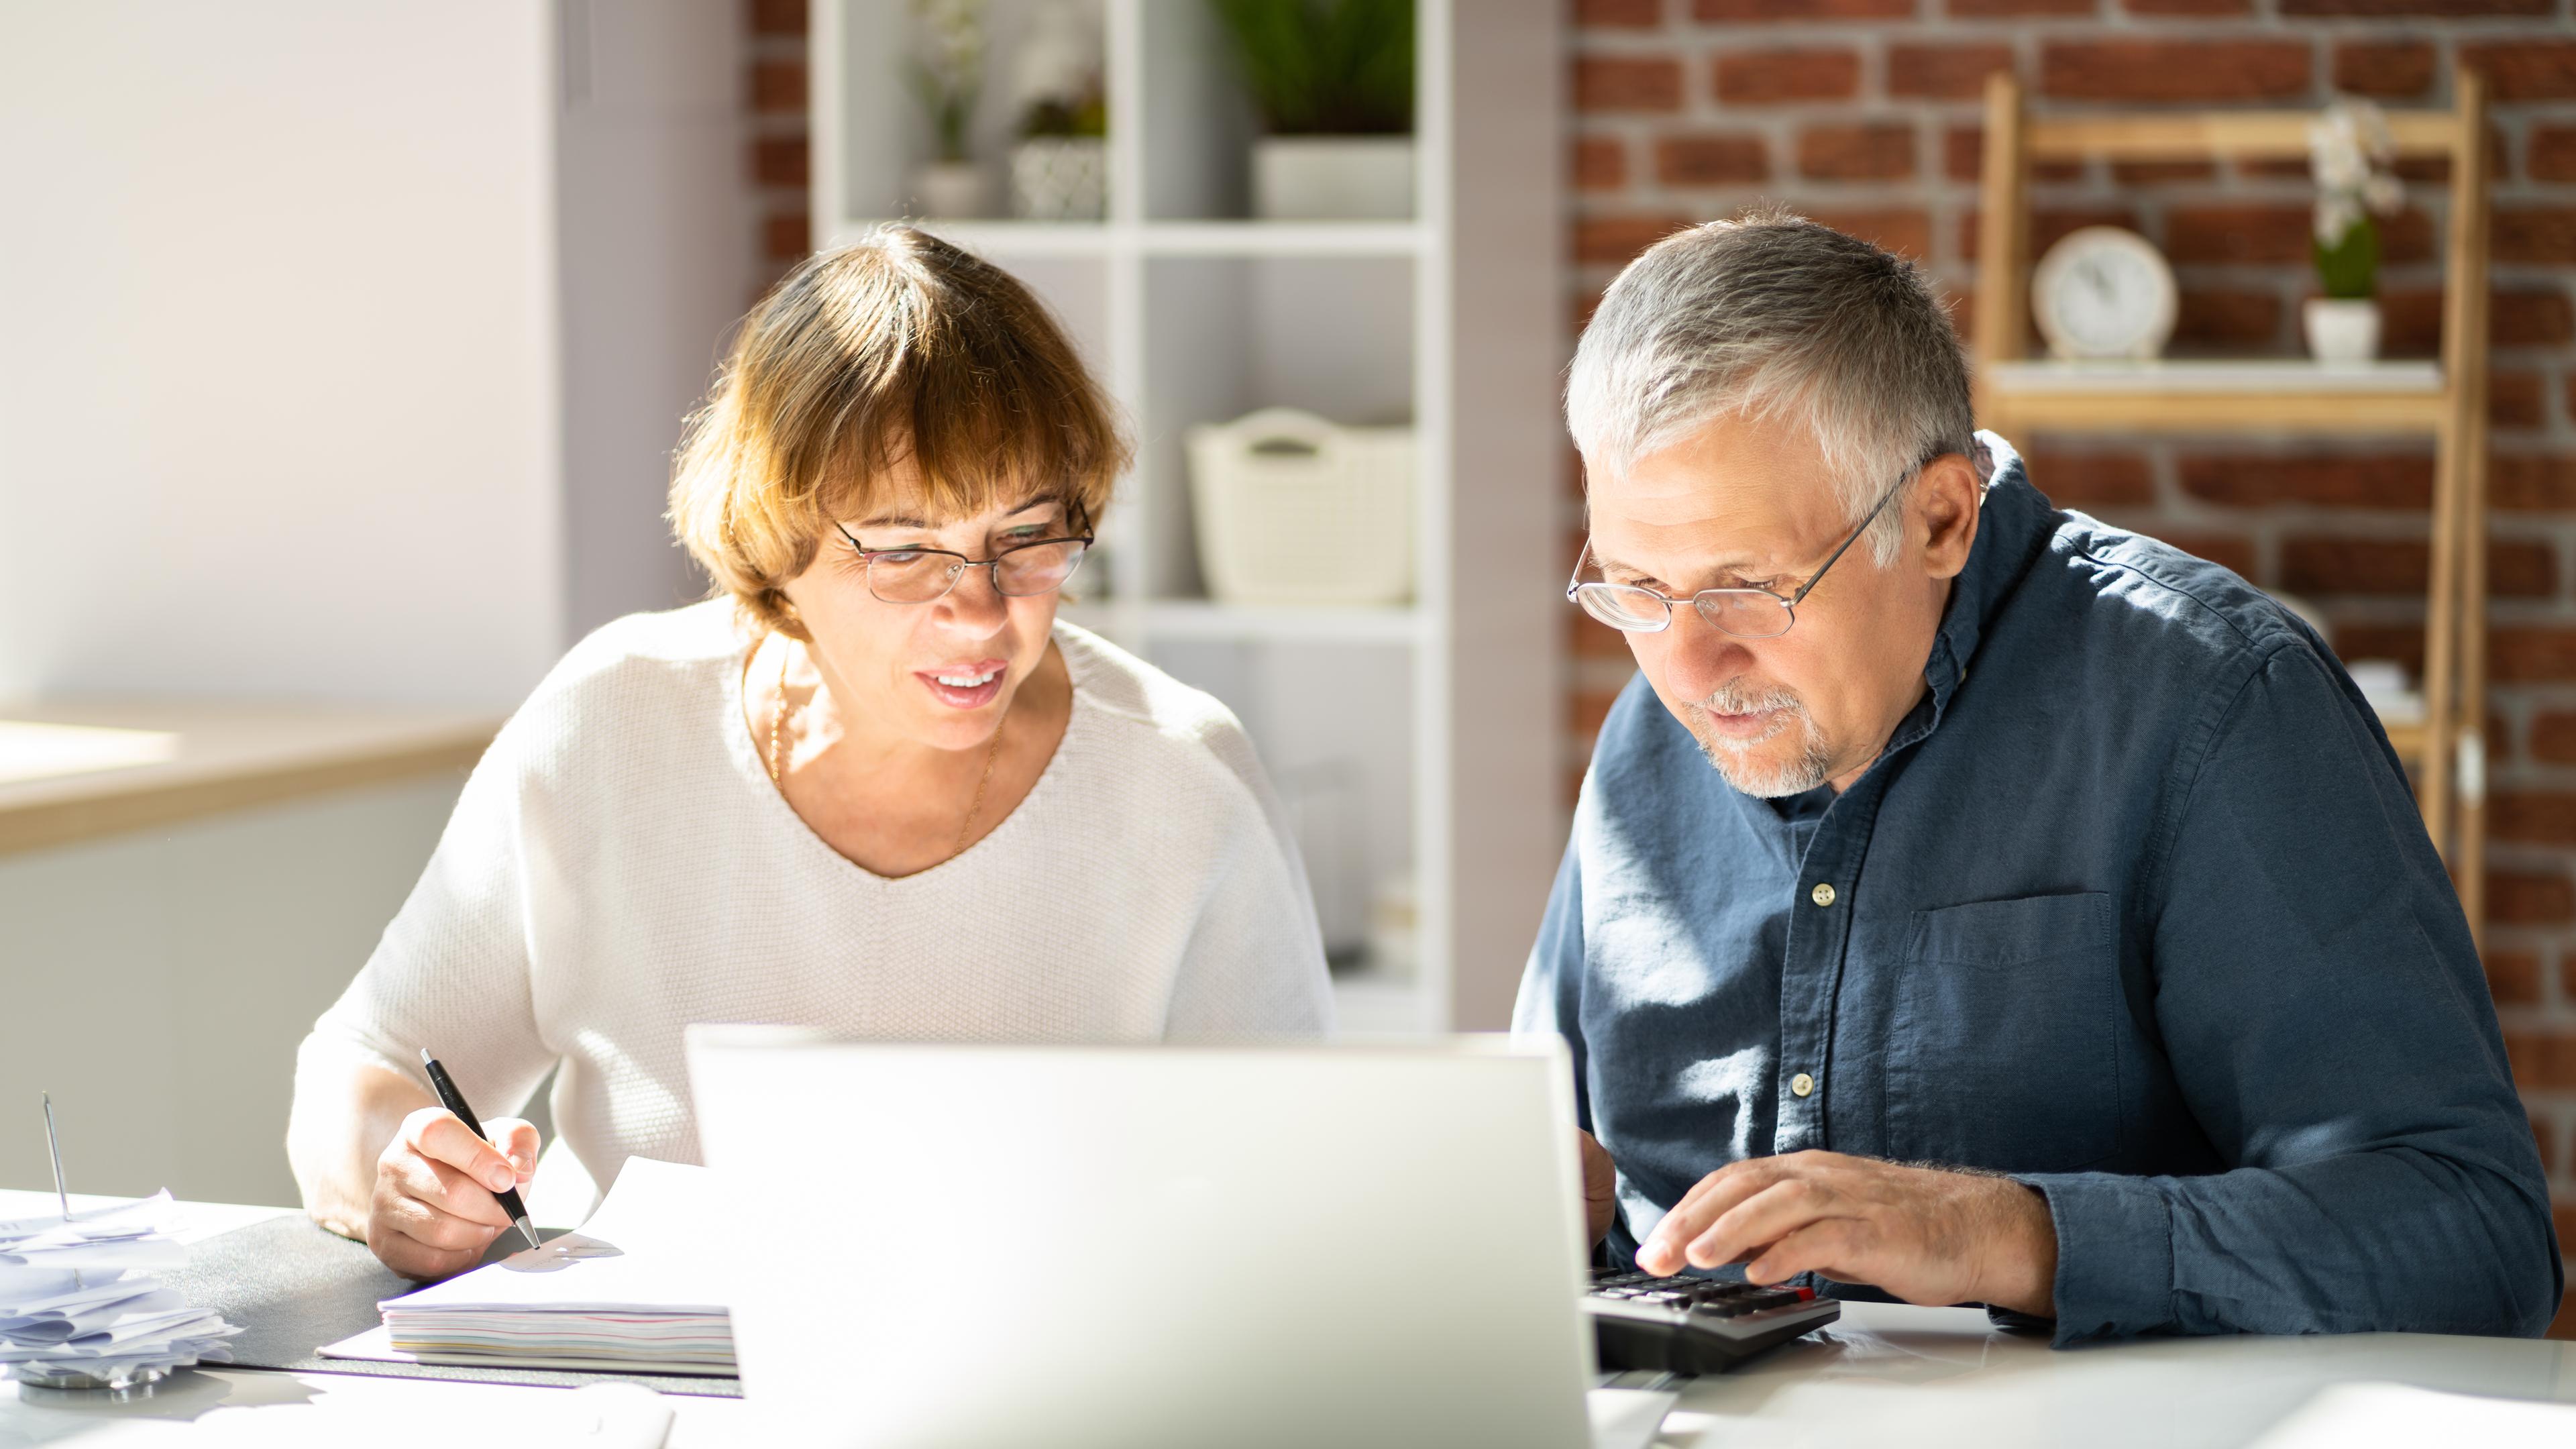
point(78, 1298)
point(629, 1291)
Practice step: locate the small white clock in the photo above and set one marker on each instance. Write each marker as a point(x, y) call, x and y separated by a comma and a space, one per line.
point(2103, 291)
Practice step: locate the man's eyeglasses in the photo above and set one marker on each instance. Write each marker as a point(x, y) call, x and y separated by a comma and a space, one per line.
point(924, 575)
point(1744, 613)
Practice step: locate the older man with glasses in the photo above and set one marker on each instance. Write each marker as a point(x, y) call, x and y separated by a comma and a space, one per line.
point(2055, 930)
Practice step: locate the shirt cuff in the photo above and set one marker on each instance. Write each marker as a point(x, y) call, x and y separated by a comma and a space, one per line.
point(2115, 1268)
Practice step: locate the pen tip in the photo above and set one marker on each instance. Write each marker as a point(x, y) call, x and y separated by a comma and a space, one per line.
point(425, 1058)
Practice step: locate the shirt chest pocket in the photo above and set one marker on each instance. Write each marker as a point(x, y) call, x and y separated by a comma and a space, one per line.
point(2004, 1042)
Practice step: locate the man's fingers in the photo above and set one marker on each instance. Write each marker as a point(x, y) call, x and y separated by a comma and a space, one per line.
point(437, 1134)
point(1709, 1198)
point(1765, 1217)
point(1830, 1246)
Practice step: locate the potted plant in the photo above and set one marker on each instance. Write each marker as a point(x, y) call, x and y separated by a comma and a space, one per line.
point(948, 76)
point(1333, 83)
point(2349, 151)
point(1060, 167)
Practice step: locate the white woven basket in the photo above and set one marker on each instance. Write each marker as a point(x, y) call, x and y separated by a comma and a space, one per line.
point(1293, 509)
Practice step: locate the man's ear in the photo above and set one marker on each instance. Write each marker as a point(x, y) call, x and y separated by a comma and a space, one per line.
point(1946, 502)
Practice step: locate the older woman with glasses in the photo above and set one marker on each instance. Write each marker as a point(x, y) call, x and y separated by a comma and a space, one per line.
point(874, 786)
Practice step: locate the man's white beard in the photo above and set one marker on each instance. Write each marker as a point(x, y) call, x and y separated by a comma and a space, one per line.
point(1734, 759)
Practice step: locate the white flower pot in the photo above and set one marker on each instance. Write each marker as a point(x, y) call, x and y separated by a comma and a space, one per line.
point(2342, 331)
point(953, 190)
point(1060, 178)
point(1332, 178)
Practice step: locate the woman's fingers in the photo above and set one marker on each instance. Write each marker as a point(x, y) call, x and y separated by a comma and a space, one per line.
point(517, 1141)
point(437, 1134)
point(441, 1187)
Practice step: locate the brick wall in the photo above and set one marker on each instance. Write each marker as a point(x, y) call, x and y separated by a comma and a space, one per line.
point(1865, 114)
point(774, 92)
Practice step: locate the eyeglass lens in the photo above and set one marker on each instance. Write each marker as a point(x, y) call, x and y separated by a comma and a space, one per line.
point(917, 576)
point(1745, 613)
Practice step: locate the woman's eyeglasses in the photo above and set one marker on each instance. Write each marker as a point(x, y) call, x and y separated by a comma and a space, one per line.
point(923, 575)
point(1744, 613)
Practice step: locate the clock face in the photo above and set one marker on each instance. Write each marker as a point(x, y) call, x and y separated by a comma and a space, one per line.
point(2103, 292)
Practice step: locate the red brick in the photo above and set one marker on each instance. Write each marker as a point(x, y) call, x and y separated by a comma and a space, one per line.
point(777, 17)
point(2327, 566)
point(2551, 153)
point(1776, 77)
point(1587, 708)
point(2564, 1325)
point(2411, 321)
point(1905, 232)
point(1627, 83)
point(2048, 225)
point(779, 161)
point(1615, 239)
point(2531, 482)
point(2540, 1136)
point(2236, 555)
point(2571, 397)
point(1722, 11)
point(778, 86)
point(2403, 643)
point(787, 236)
point(2532, 817)
point(2553, 741)
point(2219, 318)
point(2543, 1058)
point(2520, 898)
point(2442, 9)
point(2542, 234)
point(2514, 400)
point(2188, 7)
point(2271, 232)
point(2386, 68)
point(2175, 70)
point(1589, 638)
point(2527, 68)
point(1711, 160)
point(1985, 9)
point(1599, 163)
point(1875, 151)
point(1944, 72)
point(2092, 479)
point(2520, 653)
point(2161, 173)
point(2337, 481)
point(1963, 150)
point(1619, 14)
point(2513, 977)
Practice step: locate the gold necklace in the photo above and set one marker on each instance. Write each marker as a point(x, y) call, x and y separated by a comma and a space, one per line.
point(992, 752)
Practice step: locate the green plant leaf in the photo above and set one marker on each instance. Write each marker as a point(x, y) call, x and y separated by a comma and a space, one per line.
point(2350, 268)
point(1325, 67)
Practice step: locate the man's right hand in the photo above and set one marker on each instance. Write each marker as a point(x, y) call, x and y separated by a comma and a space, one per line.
point(1600, 1187)
point(434, 1210)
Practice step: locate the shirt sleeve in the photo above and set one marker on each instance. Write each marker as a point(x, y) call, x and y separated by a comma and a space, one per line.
point(452, 972)
point(1254, 965)
point(2328, 1024)
point(1550, 999)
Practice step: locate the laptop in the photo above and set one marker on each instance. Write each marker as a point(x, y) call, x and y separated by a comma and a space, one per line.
point(1144, 1246)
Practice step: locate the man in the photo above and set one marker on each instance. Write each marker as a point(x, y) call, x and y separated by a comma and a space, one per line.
point(1974, 903)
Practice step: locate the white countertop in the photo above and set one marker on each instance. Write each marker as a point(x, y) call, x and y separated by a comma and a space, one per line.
point(1886, 1374)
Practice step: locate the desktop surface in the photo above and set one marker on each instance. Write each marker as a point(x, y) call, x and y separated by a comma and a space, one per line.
point(1887, 1373)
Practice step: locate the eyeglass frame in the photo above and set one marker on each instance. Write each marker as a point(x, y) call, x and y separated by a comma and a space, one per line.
point(868, 556)
point(1574, 586)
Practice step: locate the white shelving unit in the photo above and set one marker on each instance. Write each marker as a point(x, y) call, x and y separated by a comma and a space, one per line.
point(1414, 742)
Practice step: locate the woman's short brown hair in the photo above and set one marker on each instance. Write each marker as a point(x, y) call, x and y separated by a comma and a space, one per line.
point(899, 346)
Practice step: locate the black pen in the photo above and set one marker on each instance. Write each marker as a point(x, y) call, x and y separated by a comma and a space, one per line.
point(454, 1101)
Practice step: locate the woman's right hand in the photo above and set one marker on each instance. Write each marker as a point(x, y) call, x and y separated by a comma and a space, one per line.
point(434, 1210)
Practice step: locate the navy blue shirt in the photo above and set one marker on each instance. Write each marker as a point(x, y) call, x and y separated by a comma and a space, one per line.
point(2136, 907)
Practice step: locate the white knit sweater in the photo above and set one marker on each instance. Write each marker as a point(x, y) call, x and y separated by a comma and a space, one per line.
point(620, 865)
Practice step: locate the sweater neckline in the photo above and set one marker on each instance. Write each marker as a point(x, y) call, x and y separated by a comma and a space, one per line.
point(754, 773)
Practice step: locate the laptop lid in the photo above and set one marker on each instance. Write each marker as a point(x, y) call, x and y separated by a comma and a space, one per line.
point(1272, 1245)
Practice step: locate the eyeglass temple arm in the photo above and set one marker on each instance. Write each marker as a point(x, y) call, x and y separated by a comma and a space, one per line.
point(1881, 507)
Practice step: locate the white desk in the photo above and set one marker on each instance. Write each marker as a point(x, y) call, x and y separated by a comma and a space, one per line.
point(1914, 1377)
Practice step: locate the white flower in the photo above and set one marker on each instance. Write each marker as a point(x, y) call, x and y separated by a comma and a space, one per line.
point(2349, 149)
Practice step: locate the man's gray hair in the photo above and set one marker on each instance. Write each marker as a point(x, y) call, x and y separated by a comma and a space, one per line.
point(1772, 316)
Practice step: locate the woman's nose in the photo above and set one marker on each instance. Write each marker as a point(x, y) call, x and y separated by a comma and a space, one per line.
point(976, 604)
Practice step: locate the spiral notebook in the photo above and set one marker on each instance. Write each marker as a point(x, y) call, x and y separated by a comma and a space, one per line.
point(626, 1293)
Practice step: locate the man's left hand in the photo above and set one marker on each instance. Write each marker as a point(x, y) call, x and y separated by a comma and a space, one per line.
point(1924, 1235)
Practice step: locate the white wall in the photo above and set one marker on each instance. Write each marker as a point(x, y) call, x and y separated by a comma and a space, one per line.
point(278, 371)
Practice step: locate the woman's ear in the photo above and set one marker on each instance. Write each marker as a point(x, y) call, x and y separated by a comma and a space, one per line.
point(1946, 499)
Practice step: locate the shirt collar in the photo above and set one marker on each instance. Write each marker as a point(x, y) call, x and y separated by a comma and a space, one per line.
point(2013, 525)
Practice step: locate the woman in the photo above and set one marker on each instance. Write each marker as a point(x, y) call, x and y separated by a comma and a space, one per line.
point(873, 786)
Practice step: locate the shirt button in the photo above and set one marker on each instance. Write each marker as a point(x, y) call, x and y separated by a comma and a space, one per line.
point(1802, 1084)
point(1822, 895)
